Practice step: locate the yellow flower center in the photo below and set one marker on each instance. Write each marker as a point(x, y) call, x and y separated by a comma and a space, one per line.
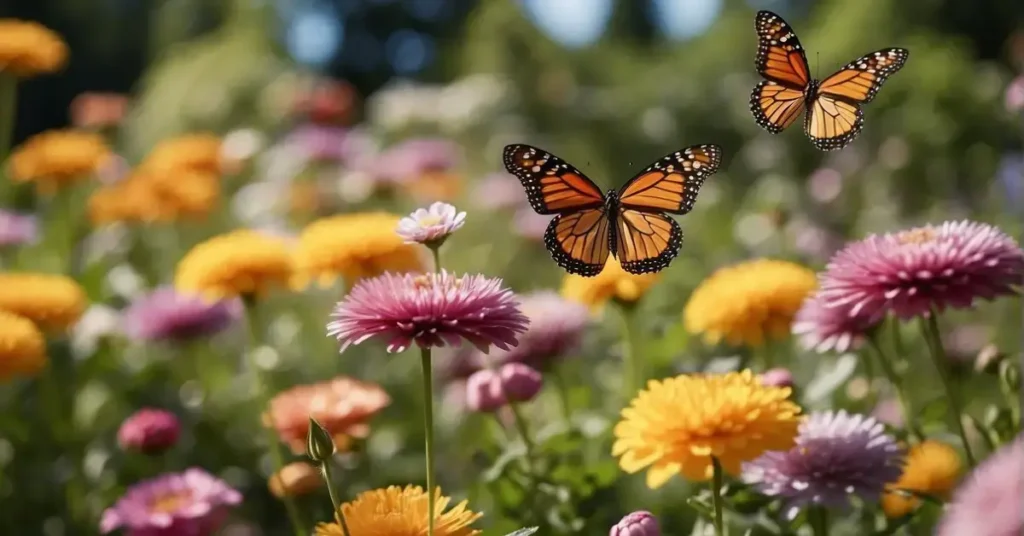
point(171, 502)
point(429, 221)
point(916, 236)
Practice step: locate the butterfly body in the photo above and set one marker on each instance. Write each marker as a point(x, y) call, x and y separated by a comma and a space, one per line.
point(832, 106)
point(629, 223)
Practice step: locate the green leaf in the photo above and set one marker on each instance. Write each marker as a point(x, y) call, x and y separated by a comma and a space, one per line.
point(526, 531)
point(830, 377)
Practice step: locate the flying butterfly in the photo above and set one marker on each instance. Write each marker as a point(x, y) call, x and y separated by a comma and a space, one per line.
point(833, 115)
point(630, 224)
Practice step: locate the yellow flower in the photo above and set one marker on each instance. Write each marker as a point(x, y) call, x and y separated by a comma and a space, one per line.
point(676, 425)
point(51, 301)
point(22, 348)
point(749, 302)
point(147, 197)
point(612, 283)
point(197, 152)
point(932, 468)
point(29, 48)
point(354, 247)
point(295, 479)
point(56, 158)
point(241, 262)
point(401, 512)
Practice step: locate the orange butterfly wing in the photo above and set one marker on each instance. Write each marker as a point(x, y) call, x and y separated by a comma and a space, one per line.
point(780, 56)
point(832, 123)
point(672, 182)
point(775, 106)
point(580, 241)
point(646, 242)
point(860, 80)
point(553, 186)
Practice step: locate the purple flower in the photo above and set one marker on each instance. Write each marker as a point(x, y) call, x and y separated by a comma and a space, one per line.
point(640, 523)
point(17, 229)
point(149, 430)
point(484, 392)
point(821, 328)
point(320, 143)
point(193, 502)
point(167, 315)
point(988, 502)
point(519, 382)
point(836, 456)
point(910, 272)
point(429, 310)
point(432, 225)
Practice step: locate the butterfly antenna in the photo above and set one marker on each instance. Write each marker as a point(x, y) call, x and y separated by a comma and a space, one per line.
point(817, 64)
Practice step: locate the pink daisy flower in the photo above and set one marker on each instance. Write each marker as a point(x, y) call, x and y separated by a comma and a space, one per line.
point(989, 500)
point(821, 328)
point(149, 430)
point(429, 310)
point(192, 502)
point(910, 272)
point(431, 225)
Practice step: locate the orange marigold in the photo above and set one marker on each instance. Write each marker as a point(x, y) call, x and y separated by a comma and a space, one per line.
point(51, 301)
point(401, 512)
point(197, 152)
point(22, 347)
point(29, 48)
point(613, 283)
point(56, 158)
point(242, 262)
point(932, 468)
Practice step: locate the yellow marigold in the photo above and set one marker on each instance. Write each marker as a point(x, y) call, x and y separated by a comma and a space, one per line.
point(22, 348)
point(51, 301)
point(147, 197)
point(401, 512)
point(353, 247)
point(197, 152)
point(932, 468)
point(676, 425)
point(29, 48)
point(749, 302)
point(56, 158)
point(241, 262)
point(612, 283)
point(295, 479)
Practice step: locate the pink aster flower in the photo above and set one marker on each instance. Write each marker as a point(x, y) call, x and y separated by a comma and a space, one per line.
point(432, 225)
point(167, 315)
point(910, 272)
point(149, 430)
point(989, 500)
point(429, 310)
point(193, 502)
point(321, 143)
point(412, 158)
point(639, 523)
point(822, 328)
point(17, 229)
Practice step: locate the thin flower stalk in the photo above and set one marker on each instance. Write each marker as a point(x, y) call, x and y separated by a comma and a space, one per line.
point(8, 106)
point(632, 369)
point(717, 481)
point(428, 424)
point(930, 329)
point(325, 467)
point(897, 384)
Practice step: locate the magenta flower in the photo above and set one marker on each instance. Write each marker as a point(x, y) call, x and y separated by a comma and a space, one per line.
point(149, 430)
point(822, 328)
point(484, 392)
point(432, 225)
point(429, 310)
point(639, 523)
point(193, 502)
point(777, 377)
point(988, 500)
point(17, 229)
point(837, 456)
point(520, 382)
point(911, 272)
point(167, 315)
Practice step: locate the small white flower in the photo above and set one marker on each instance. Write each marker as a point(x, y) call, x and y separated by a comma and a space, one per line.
point(431, 225)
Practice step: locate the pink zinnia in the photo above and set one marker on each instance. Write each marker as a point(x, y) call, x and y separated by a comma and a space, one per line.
point(911, 272)
point(431, 225)
point(988, 502)
point(149, 430)
point(821, 328)
point(430, 310)
point(193, 502)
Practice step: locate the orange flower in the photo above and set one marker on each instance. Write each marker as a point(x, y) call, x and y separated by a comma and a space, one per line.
point(98, 110)
point(57, 158)
point(295, 479)
point(29, 48)
point(147, 197)
point(342, 405)
point(196, 152)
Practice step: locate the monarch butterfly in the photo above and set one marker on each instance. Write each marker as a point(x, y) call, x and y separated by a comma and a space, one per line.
point(834, 117)
point(629, 223)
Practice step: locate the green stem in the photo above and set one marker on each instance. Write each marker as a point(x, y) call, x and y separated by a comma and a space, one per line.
point(435, 252)
point(563, 395)
point(767, 356)
point(524, 433)
point(716, 497)
point(8, 113)
point(325, 466)
point(428, 424)
point(897, 383)
point(817, 516)
point(871, 400)
point(930, 327)
point(264, 401)
point(632, 373)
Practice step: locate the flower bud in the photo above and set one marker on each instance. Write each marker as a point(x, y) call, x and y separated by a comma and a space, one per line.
point(319, 444)
point(988, 359)
point(777, 377)
point(484, 392)
point(638, 523)
point(520, 382)
point(1009, 376)
point(149, 430)
point(294, 479)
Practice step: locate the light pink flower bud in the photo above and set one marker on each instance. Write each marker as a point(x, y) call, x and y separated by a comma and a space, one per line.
point(777, 377)
point(149, 430)
point(520, 382)
point(483, 391)
point(638, 523)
